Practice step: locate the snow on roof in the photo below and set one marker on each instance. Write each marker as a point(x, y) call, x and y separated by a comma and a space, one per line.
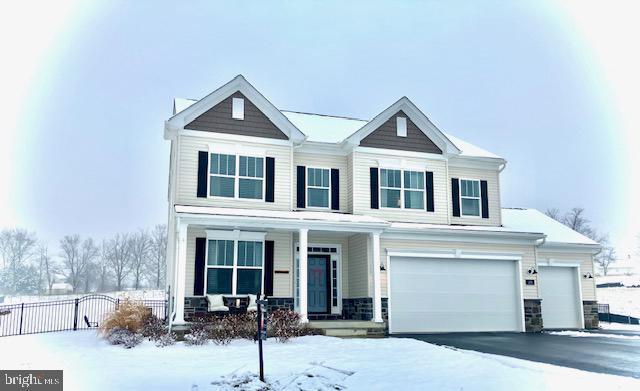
point(324, 128)
point(180, 104)
point(522, 219)
point(468, 149)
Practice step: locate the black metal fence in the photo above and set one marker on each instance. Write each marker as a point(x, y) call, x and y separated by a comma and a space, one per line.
point(603, 308)
point(606, 316)
point(59, 315)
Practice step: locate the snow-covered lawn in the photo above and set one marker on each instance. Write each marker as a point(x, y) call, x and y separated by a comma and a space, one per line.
point(314, 362)
point(622, 301)
point(619, 326)
point(141, 294)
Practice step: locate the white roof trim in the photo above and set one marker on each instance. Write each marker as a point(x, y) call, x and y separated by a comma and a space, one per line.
point(239, 83)
point(418, 118)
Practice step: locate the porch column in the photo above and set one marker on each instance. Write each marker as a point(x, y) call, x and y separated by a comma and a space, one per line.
point(302, 255)
point(181, 262)
point(375, 264)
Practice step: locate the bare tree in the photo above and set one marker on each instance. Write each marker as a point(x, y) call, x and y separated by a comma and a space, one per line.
point(156, 267)
point(140, 244)
point(104, 268)
point(88, 255)
point(48, 268)
point(118, 256)
point(554, 213)
point(17, 249)
point(577, 221)
point(605, 258)
point(77, 257)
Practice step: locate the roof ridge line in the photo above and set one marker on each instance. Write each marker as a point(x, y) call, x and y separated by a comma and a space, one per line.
point(325, 115)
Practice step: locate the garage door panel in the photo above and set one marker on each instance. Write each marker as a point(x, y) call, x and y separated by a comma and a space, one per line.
point(438, 295)
point(559, 292)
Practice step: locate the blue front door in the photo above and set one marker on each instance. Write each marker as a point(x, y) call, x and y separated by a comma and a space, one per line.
point(317, 288)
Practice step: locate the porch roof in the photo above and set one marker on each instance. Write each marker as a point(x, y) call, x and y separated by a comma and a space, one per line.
point(280, 219)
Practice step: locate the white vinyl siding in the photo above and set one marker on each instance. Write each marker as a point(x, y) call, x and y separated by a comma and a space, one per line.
point(317, 160)
point(187, 176)
point(358, 265)
point(493, 194)
point(362, 197)
point(586, 266)
point(528, 257)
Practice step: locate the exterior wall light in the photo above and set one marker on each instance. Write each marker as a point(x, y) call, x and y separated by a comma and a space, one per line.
point(532, 270)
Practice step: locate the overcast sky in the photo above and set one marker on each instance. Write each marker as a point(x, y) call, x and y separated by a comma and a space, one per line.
point(552, 87)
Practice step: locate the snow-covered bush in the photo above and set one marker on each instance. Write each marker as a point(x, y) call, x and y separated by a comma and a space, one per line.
point(120, 336)
point(285, 324)
point(197, 337)
point(128, 315)
point(166, 339)
point(153, 328)
point(220, 330)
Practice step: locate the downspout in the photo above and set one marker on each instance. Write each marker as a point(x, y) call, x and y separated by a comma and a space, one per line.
point(535, 255)
point(172, 315)
point(502, 167)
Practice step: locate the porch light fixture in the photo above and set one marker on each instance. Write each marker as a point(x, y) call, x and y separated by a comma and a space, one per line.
point(588, 275)
point(532, 271)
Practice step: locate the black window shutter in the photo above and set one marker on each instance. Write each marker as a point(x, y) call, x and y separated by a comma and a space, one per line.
point(429, 184)
point(373, 187)
point(301, 186)
point(203, 166)
point(484, 198)
point(455, 196)
point(335, 189)
point(198, 279)
point(270, 176)
point(268, 267)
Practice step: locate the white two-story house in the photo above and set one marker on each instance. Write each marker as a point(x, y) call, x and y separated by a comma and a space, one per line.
point(388, 220)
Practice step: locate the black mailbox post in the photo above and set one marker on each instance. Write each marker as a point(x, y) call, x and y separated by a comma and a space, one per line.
point(262, 332)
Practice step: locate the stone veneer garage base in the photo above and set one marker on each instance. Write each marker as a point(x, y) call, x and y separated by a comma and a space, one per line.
point(590, 309)
point(533, 322)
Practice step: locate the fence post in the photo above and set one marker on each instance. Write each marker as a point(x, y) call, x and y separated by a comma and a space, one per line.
point(21, 313)
point(75, 316)
point(117, 303)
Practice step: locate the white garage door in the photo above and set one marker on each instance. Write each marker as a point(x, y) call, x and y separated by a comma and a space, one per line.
point(560, 297)
point(453, 295)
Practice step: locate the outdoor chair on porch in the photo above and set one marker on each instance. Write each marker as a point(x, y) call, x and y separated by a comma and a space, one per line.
point(90, 325)
point(216, 304)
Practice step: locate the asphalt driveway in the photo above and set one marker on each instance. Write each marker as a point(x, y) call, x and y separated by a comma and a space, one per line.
point(596, 354)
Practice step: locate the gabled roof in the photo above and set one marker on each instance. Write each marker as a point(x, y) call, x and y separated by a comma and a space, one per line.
point(191, 111)
point(417, 116)
point(323, 128)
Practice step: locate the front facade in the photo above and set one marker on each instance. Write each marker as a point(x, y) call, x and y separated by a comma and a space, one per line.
point(388, 220)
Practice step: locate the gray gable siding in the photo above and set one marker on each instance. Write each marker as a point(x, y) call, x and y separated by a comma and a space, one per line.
point(386, 137)
point(218, 119)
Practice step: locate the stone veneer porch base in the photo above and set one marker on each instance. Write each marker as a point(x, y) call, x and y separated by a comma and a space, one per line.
point(590, 310)
point(197, 305)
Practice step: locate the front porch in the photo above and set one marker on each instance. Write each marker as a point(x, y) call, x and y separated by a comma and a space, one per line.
point(324, 269)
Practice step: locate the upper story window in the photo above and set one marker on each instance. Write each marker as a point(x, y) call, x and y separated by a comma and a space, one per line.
point(470, 197)
point(237, 108)
point(318, 187)
point(402, 189)
point(227, 181)
point(234, 267)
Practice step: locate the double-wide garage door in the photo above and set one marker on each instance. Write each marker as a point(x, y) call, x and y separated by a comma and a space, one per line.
point(453, 295)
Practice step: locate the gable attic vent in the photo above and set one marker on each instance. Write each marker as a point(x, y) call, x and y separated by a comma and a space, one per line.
point(237, 108)
point(401, 126)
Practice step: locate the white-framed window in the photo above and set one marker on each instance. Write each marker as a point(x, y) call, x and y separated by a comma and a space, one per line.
point(236, 176)
point(318, 187)
point(402, 189)
point(414, 189)
point(234, 266)
point(237, 108)
point(470, 197)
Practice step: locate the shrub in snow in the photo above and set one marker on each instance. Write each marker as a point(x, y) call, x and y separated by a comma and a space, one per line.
point(166, 339)
point(197, 337)
point(219, 330)
point(285, 324)
point(120, 336)
point(129, 315)
point(241, 325)
point(153, 328)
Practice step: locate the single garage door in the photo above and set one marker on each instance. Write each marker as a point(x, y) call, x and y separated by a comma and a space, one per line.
point(560, 297)
point(453, 295)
